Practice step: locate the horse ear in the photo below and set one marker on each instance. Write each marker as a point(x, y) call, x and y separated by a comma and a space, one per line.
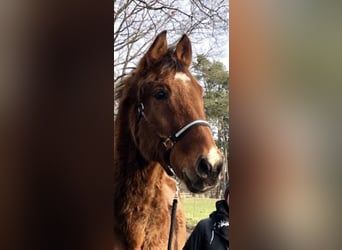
point(184, 51)
point(158, 48)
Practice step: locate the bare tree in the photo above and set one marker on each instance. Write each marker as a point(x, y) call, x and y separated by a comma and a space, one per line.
point(136, 23)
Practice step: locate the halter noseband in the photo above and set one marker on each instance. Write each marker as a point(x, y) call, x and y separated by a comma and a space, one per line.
point(170, 141)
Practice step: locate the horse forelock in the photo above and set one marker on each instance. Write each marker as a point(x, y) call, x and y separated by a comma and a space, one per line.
point(171, 63)
point(168, 64)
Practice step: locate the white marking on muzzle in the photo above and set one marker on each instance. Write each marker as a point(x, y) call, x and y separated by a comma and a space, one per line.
point(214, 156)
point(182, 76)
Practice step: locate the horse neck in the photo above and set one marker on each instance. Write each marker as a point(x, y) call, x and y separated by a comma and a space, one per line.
point(133, 177)
point(128, 161)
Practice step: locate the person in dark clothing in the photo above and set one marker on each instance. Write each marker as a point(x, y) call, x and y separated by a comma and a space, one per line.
point(212, 233)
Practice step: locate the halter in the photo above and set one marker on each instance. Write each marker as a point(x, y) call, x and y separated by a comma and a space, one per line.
point(171, 140)
point(168, 143)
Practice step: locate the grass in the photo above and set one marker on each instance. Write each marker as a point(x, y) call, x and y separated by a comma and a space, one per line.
point(197, 209)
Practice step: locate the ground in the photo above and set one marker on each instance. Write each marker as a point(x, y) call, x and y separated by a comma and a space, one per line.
point(197, 209)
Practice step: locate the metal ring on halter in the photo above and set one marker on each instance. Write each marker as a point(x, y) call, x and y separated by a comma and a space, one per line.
point(168, 143)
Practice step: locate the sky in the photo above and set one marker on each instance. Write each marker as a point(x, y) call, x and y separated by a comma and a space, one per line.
point(223, 56)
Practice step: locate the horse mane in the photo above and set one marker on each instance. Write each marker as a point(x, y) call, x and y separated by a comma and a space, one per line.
point(119, 87)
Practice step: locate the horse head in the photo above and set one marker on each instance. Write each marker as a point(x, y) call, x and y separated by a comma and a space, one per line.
point(167, 118)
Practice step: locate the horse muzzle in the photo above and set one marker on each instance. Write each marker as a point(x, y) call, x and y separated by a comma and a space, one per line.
point(204, 176)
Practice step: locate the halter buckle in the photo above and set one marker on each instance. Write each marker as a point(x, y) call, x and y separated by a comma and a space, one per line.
point(168, 143)
point(141, 109)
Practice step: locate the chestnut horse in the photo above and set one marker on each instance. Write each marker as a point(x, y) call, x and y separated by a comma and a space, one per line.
point(160, 127)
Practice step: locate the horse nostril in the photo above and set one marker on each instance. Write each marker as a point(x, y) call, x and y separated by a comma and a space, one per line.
point(204, 168)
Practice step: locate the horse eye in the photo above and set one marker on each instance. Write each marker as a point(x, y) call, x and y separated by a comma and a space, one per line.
point(161, 95)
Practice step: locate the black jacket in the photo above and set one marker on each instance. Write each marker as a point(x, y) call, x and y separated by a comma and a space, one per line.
point(211, 233)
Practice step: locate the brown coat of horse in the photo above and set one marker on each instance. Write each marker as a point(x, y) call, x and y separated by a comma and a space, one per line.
point(155, 101)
